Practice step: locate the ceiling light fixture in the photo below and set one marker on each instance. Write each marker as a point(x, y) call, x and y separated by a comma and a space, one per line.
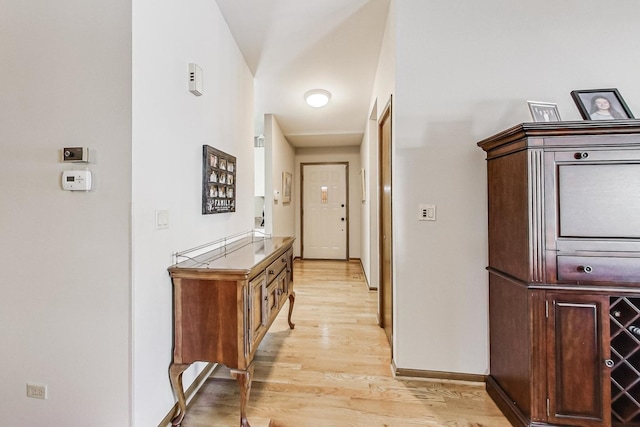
point(317, 97)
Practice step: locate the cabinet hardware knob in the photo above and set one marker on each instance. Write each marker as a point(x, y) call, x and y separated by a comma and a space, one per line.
point(266, 298)
point(271, 271)
point(609, 363)
point(585, 269)
point(579, 156)
point(617, 313)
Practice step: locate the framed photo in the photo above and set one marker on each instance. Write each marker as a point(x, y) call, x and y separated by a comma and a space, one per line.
point(218, 181)
point(601, 104)
point(287, 183)
point(544, 111)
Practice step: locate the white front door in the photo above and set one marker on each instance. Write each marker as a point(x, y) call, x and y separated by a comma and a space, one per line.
point(324, 211)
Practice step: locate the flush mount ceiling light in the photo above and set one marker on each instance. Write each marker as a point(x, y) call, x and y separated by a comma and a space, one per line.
point(317, 97)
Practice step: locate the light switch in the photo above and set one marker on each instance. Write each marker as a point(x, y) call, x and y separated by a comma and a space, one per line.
point(162, 219)
point(427, 213)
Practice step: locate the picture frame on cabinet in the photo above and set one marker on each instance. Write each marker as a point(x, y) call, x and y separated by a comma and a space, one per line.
point(544, 111)
point(601, 104)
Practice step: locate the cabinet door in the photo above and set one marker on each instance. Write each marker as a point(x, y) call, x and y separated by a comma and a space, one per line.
point(272, 300)
point(289, 260)
point(283, 288)
point(257, 307)
point(579, 388)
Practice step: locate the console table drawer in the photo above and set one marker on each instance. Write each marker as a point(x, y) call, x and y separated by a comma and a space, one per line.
point(598, 269)
point(275, 268)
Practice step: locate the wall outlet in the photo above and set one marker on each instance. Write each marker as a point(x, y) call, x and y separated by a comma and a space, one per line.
point(37, 391)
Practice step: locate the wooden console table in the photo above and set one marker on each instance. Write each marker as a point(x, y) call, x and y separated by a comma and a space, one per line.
point(224, 302)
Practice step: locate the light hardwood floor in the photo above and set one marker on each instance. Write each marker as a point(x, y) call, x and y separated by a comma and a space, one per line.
point(333, 369)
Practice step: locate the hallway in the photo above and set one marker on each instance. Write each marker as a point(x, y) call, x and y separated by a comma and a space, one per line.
point(333, 369)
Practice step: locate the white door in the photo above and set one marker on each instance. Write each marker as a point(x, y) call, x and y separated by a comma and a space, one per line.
point(324, 211)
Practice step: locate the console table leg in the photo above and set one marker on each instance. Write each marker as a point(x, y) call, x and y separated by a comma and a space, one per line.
point(292, 299)
point(175, 375)
point(244, 379)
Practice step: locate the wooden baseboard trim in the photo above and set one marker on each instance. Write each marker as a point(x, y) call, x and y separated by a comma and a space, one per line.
point(439, 375)
point(366, 280)
point(191, 391)
point(502, 401)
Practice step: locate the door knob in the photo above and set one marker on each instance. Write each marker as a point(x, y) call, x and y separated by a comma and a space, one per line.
point(609, 363)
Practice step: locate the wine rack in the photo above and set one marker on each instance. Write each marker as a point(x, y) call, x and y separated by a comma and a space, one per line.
point(624, 315)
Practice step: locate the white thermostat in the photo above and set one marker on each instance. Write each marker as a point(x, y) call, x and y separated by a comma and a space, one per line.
point(76, 180)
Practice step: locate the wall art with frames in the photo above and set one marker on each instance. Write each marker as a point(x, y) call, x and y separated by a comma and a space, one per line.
point(218, 181)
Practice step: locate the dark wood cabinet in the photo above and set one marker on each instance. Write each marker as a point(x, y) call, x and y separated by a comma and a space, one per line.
point(564, 273)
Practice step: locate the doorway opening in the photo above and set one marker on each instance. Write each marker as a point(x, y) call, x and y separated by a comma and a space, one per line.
point(385, 288)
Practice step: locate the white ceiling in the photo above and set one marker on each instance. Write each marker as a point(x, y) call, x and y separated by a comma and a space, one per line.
point(293, 46)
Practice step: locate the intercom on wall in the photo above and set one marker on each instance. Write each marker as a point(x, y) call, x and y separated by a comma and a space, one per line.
point(75, 154)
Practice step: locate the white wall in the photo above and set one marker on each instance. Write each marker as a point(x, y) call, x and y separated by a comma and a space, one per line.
point(368, 222)
point(383, 88)
point(464, 72)
point(170, 127)
point(279, 159)
point(65, 81)
point(351, 155)
point(259, 171)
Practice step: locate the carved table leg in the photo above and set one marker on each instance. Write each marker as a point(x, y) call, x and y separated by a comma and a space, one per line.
point(175, 375)
point(244, 379)
point(292, 299)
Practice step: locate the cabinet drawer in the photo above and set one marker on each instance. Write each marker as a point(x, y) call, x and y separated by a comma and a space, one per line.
point(275, 268)
point(598, 269)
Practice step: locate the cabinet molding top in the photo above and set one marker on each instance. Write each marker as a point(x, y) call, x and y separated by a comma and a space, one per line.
point(553, 129)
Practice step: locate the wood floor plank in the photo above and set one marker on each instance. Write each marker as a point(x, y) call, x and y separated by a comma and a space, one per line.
point(334, 369)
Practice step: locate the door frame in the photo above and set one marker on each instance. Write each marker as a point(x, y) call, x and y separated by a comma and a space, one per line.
point(346, 183)
point(386, 115)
